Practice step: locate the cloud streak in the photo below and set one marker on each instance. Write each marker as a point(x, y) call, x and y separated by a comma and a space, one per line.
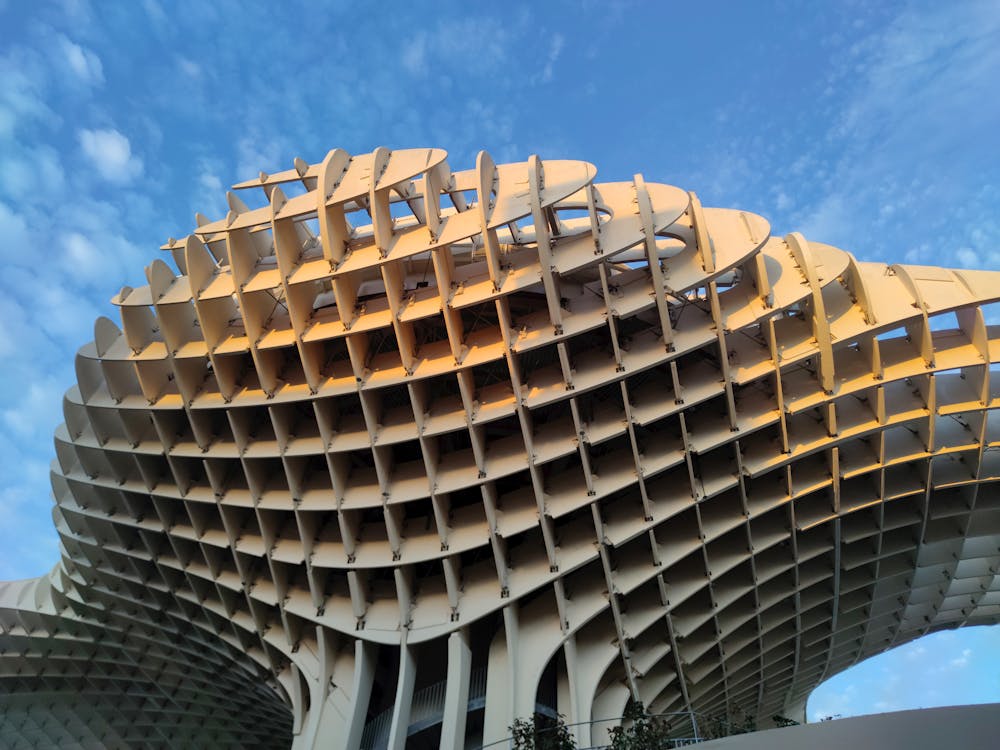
point(82, 62)
point(110, 152)
point(913, 136)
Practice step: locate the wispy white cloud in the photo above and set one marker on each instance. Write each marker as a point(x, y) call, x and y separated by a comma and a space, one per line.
point(31, 172)
point(110, 152)
point(210, 183)
point(83, 257)
point(257, 153)
point(915, 130)
point(82, 62)
point(555, 50)
point(78, 13)
point(15, 237)
point(835, 703)
point(188, 67)
point(21, 96)
point(937, 670)
point(37, 397)
point(209, 196)
point(961, 661)
point(25, 506)
point(155, 11)
point(414, 55)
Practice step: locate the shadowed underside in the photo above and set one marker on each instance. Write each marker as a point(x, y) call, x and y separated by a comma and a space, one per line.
point(403, 454)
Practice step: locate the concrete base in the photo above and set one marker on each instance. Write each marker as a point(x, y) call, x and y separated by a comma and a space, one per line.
point(966, 727)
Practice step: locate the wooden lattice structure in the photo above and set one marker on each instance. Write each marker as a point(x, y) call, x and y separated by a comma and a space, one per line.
point(404, 453)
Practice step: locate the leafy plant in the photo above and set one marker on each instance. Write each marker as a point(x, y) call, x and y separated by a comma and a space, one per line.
point(738, 722)
point(541, 733)
point(642, 733)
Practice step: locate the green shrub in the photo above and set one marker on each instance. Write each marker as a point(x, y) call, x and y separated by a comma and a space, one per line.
point(643, 733)
point(541, 733)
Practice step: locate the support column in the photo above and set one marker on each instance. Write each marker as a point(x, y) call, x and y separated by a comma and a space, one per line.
point(609, 703)
point(500, 680)
point(404, 698)
point(336, 715)
point(570, 704)
point(456, 697)
point(365, 655)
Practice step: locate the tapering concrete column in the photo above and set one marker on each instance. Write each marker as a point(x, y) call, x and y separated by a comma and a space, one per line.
point(570, 705)
point(336, 715)
point(404, 698)
point(500, 680)
point(456, 698)
point(365, 655)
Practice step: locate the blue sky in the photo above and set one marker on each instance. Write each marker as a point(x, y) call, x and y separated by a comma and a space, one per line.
point(872, 126)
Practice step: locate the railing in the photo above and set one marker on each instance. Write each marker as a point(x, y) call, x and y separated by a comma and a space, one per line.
point(676, 729)
point(426, 710)
point(681, 728)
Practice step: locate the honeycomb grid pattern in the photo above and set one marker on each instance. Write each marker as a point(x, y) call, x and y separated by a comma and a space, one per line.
point(637, 441)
